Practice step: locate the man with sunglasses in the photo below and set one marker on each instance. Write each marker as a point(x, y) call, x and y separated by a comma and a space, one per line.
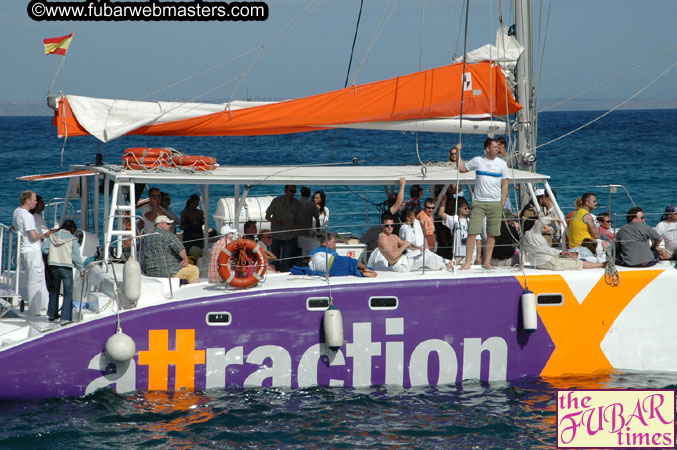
point(604, 221)
point(393, 248)
point(632, 247)
point(283, 215)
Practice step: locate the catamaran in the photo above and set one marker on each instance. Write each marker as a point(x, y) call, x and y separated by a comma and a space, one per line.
point(135, 332)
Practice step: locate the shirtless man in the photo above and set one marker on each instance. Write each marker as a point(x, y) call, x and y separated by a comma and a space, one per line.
point(392, 247)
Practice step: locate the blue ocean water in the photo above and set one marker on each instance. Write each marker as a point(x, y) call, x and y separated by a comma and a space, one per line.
point(634, 149)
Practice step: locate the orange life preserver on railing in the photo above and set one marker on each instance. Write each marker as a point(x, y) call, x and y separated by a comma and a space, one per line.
point(229, 276)
point(141, 158)
point(200, 163)
point(144, 152)
point(144, 163)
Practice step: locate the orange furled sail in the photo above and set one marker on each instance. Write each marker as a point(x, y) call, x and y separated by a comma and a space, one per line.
point(433, 93)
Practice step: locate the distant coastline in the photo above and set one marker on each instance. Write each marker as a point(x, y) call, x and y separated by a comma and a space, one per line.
point(39, 108)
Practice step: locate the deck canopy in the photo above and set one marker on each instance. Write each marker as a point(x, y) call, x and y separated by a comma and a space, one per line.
point(307, 175)
point(431, 94)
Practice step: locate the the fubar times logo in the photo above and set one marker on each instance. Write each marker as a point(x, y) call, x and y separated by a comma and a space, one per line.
point(616, 418)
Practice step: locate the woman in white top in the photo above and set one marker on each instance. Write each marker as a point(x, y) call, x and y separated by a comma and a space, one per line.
point(320, 199)
point(40, 224)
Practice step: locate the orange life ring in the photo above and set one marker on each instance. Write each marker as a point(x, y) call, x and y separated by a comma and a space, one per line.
point(144, 152)
point(196, 162)
point(229, 276)
point(140, 163)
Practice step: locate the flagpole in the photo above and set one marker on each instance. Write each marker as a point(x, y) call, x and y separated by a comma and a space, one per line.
point(63, 60)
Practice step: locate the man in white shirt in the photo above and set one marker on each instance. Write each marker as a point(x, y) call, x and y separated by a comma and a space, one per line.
point(667, 229)
point(35, 290)
point(491, 193)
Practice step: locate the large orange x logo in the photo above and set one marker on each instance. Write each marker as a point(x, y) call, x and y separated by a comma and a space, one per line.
point(578, 329)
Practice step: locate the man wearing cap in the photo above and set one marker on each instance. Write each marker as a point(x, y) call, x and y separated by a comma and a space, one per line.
point(667, 229)
point(228, 235)
point(165, 255)
point(554, 236)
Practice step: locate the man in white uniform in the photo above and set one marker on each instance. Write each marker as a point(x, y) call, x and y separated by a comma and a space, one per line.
point(34, 292)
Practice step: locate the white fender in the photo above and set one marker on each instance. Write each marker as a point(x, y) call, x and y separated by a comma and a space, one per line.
point(132, 280)
point(333, 328)
point(529, 314)
point(120, 347)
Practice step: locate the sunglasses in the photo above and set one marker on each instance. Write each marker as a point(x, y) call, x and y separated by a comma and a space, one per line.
point(389, 225)
point(156, 196)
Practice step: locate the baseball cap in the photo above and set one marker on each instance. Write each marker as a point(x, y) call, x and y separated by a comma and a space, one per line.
point(540, 192)
point(226, 230)
point(161, 218)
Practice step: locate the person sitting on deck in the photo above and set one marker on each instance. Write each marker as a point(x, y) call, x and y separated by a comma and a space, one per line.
point(412, 231)
point(265, 240)
point(227, 236)
point(632, 242)
point(506, 243)
point(324, 259)
point(425, 217)
point(667, 229)
point(604, 221)
point(458, 224)
point(542, 256)
point(250, 230)
point(392, 249)
point(165, 255)
point(582, 223)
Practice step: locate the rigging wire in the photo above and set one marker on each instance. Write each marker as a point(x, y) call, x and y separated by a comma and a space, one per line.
point(283, 32)
point(352, 50)
point(209, 69)
point(350, 64)
point(381, 26)
point(612, 109)
point(650, 60)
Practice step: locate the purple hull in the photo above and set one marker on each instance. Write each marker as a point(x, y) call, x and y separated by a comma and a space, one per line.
point(441, 331)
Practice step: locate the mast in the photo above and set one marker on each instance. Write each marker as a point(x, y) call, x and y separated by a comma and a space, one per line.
point(526, 145)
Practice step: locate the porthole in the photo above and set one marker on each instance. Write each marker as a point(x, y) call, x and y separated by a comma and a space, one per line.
point(218, 319)
point(317, 303)
point(383, 302)
point(550, 299)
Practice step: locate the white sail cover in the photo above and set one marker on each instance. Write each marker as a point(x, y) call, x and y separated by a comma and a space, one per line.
point(506, 52)
point(108, 119)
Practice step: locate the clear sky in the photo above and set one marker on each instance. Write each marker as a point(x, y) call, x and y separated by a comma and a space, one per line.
point(588, 42)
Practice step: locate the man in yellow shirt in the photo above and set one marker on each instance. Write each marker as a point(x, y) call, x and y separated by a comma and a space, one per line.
point(582, 224)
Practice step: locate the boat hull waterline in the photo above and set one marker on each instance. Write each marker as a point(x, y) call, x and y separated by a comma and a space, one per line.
point(441, 331)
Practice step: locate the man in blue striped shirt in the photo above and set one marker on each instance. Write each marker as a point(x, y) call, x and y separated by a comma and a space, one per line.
point(491, 192)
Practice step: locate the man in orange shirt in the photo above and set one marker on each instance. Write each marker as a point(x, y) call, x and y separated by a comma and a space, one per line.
point(426, 219)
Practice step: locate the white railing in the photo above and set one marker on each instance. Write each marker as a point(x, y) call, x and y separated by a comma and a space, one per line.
point(10, 259)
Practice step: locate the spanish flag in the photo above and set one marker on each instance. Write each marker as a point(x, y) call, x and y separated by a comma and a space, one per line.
point(58, 45)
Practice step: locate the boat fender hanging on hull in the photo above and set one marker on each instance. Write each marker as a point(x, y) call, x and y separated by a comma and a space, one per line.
point(529, 314)
point(332, 323)
point(132, 280)
point(120, 348)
